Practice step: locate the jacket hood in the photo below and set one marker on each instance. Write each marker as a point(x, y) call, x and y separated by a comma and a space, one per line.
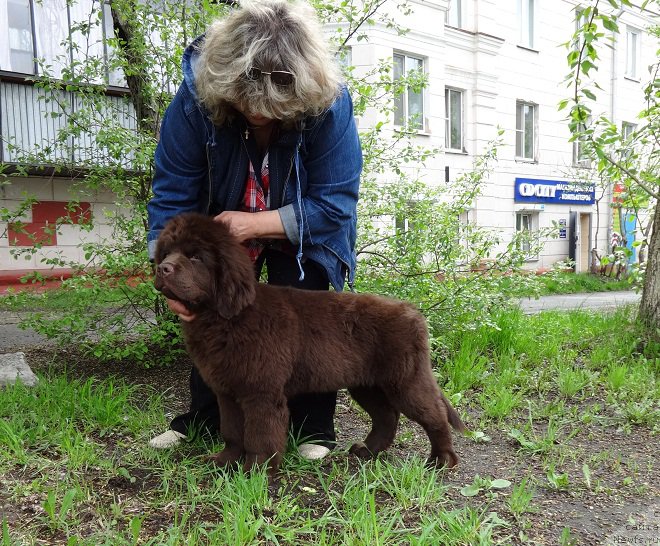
point(188, 63)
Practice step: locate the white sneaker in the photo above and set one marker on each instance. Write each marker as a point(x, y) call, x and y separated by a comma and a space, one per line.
point(169, 438)
point(312, 452)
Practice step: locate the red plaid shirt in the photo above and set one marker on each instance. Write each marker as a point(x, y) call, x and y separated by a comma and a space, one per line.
point(256, 199)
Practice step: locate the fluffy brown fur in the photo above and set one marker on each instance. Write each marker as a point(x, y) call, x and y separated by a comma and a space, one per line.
point(257, 345)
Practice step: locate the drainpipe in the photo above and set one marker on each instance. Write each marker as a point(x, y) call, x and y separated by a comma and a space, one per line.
point(614, 77)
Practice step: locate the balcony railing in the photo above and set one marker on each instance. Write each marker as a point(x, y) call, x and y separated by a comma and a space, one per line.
point(33, 123)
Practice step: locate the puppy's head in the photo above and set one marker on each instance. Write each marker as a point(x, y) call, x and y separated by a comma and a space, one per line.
point(200, 264)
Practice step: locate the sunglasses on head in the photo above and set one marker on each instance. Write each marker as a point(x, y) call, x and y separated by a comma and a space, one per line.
point(278, 77)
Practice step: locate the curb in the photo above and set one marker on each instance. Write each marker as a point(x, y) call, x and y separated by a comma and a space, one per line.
point(10, 279)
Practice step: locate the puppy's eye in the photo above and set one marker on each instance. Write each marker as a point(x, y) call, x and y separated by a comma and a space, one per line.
point(196, 258)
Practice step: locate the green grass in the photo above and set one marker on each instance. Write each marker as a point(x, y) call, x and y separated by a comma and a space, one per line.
point(75, 467)
point(60, 300)
point(558, 282)
point(566, 355)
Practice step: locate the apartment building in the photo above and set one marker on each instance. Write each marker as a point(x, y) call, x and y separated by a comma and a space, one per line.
point(501, 64)
point(490, 63)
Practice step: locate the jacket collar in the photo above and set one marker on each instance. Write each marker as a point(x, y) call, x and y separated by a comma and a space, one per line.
point(189, 62)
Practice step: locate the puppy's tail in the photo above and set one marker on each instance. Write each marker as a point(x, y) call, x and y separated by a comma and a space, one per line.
point(453, 416)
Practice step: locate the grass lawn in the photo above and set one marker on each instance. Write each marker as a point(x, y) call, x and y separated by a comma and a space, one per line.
point(562, 409)
point(572, 283)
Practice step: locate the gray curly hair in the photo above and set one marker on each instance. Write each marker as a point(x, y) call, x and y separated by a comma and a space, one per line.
point(269, 35)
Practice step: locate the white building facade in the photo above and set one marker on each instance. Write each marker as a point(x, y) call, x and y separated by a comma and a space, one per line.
point(495, 64)
point(490, 63)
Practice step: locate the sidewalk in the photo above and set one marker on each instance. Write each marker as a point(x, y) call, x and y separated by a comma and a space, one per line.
point(591, 300)
point(12, 338)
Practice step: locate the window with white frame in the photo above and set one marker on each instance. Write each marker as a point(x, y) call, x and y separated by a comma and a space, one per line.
point(527, 230)
point(632, 53)
point(404, 219)
point(408, 105)
point(465, 221)
point(454, 14)
point(581, 19)
point(627, 129)
point(581, 156)
point(345, 57)
point(17, 44)
point(526, 17)
point(454, 119)
point(526, 120)
point(44, 29)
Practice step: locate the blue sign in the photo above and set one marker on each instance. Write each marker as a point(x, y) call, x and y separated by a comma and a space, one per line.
point(530, 190)
point(562, 228)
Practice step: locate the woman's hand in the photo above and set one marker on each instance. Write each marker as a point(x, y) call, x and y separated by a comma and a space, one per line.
point(180, 310)
point(253, 225)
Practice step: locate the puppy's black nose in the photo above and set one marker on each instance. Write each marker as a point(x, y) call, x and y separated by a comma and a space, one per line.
point(165, 269)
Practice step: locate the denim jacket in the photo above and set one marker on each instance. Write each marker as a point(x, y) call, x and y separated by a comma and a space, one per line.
point(314, 174)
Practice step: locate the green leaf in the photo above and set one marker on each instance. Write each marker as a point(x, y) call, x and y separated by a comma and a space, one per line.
point(610, 24)
point(586, 66)
point(470, 490)
point(589, 94)
point(500, 484)
point(586, 471)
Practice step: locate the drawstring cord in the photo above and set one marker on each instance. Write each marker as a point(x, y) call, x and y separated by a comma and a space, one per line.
point(299, 255)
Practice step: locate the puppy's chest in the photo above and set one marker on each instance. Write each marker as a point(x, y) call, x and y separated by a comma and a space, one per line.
point(219, 361)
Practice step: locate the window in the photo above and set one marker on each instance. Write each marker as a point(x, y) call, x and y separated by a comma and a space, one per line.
point(581, 156)
point(409, 105)
point(581, 19)
point(526, 22)
point(627, 129)
point(114, 75)
point(407, 224)
point(54, 24)
point(345, 57)
point(526, 227)
point(465, 229)
point(401, 224)
point(454, 15)
point(453, 119)
point(526, 130)
point(18, 46)
point(632, 53)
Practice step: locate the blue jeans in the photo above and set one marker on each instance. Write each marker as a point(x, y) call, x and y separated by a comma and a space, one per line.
point(311, 415)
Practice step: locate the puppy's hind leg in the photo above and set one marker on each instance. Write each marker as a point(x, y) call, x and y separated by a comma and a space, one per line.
point(384, 421)
point(422, 401)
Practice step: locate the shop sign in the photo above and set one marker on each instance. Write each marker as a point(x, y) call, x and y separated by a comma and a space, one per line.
point(531, 190)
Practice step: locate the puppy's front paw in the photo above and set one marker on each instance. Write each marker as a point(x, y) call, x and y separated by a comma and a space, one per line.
point(225, 459)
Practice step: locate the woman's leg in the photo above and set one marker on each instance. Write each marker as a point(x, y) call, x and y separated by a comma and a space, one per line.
point(203, 413)
point(312, 415)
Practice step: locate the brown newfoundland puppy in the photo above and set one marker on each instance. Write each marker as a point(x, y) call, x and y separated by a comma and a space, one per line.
point(257, 345)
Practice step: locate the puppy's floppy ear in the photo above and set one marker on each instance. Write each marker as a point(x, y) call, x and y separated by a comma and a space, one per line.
point(234, 292)
point(235, 283)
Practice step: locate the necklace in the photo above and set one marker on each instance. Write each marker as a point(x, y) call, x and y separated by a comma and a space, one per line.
point(255, 128)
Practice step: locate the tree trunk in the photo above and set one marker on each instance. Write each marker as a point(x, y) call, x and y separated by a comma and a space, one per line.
point(133, 47)
point(649, 309)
